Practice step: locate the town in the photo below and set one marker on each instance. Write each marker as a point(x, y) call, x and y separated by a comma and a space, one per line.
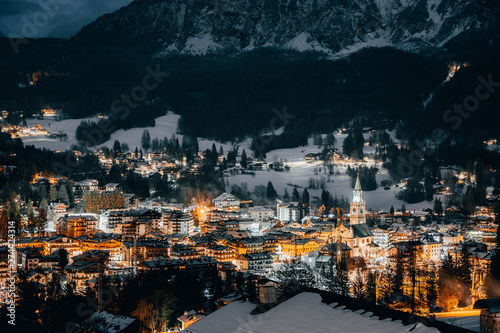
point(82, 236)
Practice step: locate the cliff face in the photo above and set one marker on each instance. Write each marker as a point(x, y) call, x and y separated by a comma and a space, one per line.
point(336, 27)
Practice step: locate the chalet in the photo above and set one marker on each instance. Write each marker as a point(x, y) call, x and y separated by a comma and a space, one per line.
point(76, 225)
point(70, 244)
point(254, 262)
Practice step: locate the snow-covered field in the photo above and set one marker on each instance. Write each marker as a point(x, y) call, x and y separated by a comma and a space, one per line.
point(299, 174)
point(67, 126)
point(301, 171)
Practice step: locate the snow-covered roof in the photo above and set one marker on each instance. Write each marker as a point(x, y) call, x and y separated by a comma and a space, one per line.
point(303, 313)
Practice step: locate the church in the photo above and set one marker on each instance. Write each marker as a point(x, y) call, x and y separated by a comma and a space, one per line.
point(356, 234)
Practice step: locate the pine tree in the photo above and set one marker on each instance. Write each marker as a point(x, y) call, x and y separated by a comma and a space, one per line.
point(31, 217)
point(391, 211)
point(295, 195)
point(44, 204)
point(286, 196)
point(371, 288)
point(293, 277)
point(62, 195)
point(41, 221)
point(438, 207)
point(305, 197)
point(243, 161)
point(348, 146)
point(117, 148)
point(271, 192)
point(429, 189)
point(52, 194)
point(4, 223)
point(358, 286)
point(145, 140)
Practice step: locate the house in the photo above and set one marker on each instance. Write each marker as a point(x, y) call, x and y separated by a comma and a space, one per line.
point(380, 236)
point(189, 318)
point(299, 247)
point(70, 244)
point(259, 213)
point(76, 225)
point(254, 262)
point(220, 253)
point(178, 222)
point(111, 187)
point(315, 311)
point(227, 201)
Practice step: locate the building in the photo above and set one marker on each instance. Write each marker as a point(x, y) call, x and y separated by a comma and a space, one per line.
point(358, 209)
point(289, 212)
point(433, 251)
point(227, 201)
point(71, 245)
point(178, 222)
point(189, 318)
point(254, 262)
point(316, 312)
point(380, 237)
point(220, 253)
point(86, 185)
point(489, 320)
point(259, 213)
point(300, 247)
point(76, 225)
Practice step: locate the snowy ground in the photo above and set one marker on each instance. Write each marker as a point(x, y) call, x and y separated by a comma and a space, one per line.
point(53, 126)
point(301, 171)
point(165, 126)
point(299, 174)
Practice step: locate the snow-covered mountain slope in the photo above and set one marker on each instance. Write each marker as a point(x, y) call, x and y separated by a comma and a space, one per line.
point(201, 26)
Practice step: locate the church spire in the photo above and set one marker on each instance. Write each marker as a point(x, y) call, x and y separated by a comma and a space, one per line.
point(358, 184)
point(357, 193)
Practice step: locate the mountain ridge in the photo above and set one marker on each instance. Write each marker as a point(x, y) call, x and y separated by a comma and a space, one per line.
point(203, 26)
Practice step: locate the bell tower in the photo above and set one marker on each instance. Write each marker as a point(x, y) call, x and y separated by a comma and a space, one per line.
point(357, 205)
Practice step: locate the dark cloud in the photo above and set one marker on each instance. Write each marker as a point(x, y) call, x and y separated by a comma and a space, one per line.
point(52, 18)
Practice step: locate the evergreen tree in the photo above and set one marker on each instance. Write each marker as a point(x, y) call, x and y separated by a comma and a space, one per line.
point(391, 211)
point(348, 146)
point(358, 286)
point(4, 223)
point(44, 204)
point(243, 161)
point(438, 207)
point(294, 277)
point(62, 195)
point(52, 194)
point(117, 148)
point(305, 197)
point(286, 196)
point(271, 192)
point(146, 140)
point(468, 202)
point(41, 222)
point(31, 217)
point(295, 195)
point(399, 274)
point(429, 190)
point(371, 288)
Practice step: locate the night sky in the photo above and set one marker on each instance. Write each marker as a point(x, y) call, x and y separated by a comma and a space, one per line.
point(51, 18)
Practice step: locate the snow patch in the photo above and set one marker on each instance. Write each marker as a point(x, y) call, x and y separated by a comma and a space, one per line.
point(304, 42)
point(201, 45)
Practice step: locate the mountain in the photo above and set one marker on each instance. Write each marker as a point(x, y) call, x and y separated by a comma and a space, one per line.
point(335, 27)
point(231, 64)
